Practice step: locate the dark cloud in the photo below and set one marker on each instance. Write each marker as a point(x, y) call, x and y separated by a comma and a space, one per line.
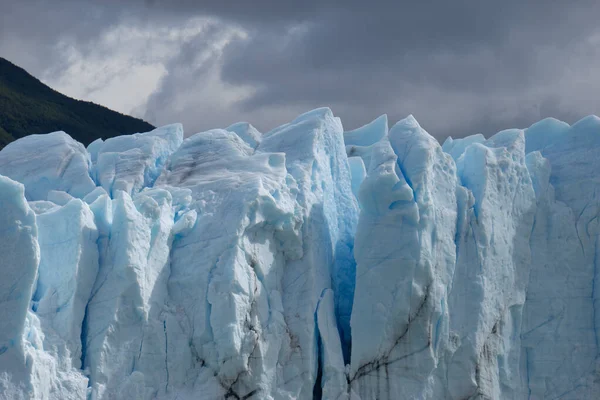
point(460, 67)
point(376, 56)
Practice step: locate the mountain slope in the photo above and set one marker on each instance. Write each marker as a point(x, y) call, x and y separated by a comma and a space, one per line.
point(27, 106)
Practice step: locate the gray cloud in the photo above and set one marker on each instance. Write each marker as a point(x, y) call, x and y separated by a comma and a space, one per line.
point(460, 67)
point(385, 56)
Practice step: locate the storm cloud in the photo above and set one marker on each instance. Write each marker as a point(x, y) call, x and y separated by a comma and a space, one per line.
point(459, 67)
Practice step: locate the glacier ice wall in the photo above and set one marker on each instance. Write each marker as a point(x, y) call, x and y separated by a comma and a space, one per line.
point(302, 263)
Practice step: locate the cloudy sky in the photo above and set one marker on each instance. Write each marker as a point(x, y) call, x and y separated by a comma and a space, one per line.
point(460, 67)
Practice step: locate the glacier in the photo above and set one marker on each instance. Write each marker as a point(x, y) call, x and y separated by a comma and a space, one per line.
point(307, 262)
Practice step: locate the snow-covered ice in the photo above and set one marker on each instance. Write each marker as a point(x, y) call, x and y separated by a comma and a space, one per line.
point(302, 263)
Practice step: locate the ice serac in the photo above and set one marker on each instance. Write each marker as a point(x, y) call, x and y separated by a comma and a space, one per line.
point(247, 133)
point(20, 259)
point(560, 343)
point(123, 334)
point(369, 134)
point(557, 333)
point(317, 164)
point(359, 142)
point(273, 230)
point(492, 269)
point(133, 162)
point(431, 174)
point(442, 265)
point(48, 162)
point(456, 147)
point(545, 133)
point(225, 324)
point(35, 359)
point(302, 263)
point(406, 258)
point(68, 267)
point(386, 248)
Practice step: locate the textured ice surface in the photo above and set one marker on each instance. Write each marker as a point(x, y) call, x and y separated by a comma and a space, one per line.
point(48, 162)
point(305, 262)
point(369, 134)
point(20, 258)
point(246, 132)
point(133, 162)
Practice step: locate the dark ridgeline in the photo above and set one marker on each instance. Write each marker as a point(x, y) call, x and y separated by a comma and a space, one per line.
point(27, 107)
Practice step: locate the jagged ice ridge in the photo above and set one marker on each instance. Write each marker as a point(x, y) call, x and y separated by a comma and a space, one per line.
point(303, 263)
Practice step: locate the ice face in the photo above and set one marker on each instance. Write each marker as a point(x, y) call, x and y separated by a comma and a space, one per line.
point(133, 162)
point(456, 147)
point(20, 258)
point(48, 162)
point(369, 134)
point(358, 173)
point(67, 237)
point(247, 133)
point(560, 319)
point(302, 263)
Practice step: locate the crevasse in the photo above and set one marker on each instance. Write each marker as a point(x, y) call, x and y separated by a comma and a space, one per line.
point(302, 263)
